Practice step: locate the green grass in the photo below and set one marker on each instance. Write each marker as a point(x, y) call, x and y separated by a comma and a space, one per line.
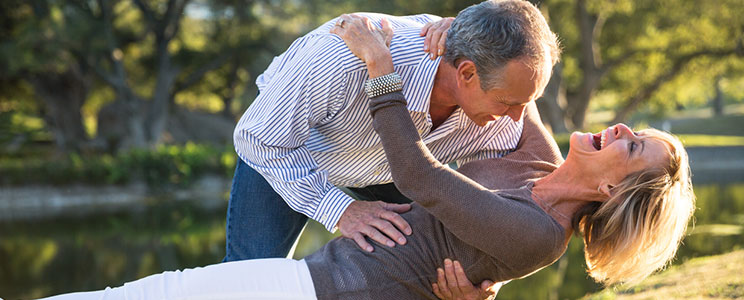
point(710, 277)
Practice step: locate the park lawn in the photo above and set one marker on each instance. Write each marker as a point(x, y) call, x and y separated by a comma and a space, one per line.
point(709, 277)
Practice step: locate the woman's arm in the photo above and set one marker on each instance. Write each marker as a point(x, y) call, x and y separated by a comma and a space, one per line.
point(460, 203)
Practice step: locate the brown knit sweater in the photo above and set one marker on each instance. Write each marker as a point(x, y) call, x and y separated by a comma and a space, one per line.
point(495, 229)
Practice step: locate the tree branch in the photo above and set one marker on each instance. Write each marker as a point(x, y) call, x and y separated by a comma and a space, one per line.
point(171, 20)
point(147, 13)
point(610, 64)
point(199, 73)
point(678, 65)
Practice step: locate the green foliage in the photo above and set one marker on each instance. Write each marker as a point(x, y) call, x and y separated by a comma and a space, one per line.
point(165, 165)
point(637, 43)
point(48, 36)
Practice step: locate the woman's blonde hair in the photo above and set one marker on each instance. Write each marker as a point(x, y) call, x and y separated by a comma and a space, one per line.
point(638, 230)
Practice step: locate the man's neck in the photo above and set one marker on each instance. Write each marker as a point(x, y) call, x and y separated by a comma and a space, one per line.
point(441, 103)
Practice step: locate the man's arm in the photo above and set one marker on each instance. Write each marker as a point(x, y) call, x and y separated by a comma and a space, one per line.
point(271, 135)
point(306, 90)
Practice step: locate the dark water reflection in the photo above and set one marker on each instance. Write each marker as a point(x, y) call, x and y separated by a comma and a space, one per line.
point(55, 256)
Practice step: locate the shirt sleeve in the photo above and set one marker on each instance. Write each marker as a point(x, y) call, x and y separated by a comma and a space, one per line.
point(305, 90)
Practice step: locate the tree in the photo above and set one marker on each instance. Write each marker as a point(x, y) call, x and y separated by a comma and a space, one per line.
point(139, 52)
point(60, 83)
point(630, 49)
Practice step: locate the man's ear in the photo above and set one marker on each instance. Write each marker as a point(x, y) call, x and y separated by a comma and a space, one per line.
point(466, 72)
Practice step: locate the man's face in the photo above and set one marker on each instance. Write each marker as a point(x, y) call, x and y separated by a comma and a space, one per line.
point(521, 86)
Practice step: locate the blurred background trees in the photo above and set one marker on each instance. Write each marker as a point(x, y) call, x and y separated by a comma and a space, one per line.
point(112, 75)
point(114, 95)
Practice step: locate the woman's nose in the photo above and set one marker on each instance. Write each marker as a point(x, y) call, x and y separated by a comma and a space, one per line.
point(622, 130)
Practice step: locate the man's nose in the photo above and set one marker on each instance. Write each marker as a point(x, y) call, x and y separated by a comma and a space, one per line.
point(516, 112)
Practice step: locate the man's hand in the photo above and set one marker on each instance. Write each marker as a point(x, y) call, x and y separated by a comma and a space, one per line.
point(452, 284)
point(436, 36)
point(378, 220)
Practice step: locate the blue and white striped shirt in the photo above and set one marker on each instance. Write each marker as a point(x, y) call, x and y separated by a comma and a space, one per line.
point(309, 129)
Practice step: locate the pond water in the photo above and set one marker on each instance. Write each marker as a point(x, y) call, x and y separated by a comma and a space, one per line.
point(43, 258)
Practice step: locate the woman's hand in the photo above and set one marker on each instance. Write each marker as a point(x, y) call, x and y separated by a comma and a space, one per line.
point(366, 41)
point(452, 284)
point(436, 36)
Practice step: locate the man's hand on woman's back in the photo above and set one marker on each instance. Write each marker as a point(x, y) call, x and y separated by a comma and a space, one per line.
point(377, 220)
point(453, 284)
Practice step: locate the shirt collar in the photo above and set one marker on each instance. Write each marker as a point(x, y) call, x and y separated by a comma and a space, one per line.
point(419, 86)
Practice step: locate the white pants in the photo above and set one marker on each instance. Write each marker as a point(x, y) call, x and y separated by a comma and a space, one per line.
point(272, 278)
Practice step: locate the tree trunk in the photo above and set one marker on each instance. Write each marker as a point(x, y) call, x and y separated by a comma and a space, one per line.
point(63, 95)
point(158, 108)
point(580, 101)
point(121, 124)
point(589, 62)
point(718, 98)
point(549, 106)
point(229, 95)
point(185, 125)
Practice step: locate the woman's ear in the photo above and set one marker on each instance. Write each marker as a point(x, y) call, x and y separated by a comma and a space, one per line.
point(605, 188)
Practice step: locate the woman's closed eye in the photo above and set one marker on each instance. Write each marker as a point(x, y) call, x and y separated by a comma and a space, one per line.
point(631, 148)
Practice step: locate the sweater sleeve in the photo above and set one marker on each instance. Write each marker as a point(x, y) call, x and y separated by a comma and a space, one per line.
point(521, 237)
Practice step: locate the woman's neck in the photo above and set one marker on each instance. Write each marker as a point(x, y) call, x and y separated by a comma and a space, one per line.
point(562, 194)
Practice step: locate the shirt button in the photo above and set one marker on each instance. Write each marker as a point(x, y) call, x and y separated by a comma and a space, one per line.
point(324, 218)
point(376, 172)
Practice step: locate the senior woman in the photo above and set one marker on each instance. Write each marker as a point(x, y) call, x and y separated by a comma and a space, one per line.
point(628, 194)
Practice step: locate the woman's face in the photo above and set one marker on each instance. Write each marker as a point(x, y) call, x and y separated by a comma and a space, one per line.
point(615, 152)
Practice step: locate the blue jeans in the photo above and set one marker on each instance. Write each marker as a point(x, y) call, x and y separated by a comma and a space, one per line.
point(261, 225)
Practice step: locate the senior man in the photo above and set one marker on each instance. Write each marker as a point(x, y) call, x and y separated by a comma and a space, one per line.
point(309, 132)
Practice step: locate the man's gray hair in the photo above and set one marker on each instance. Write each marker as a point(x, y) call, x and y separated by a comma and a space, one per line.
point(496, 31)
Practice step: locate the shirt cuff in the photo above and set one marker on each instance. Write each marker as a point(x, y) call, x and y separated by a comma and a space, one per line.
point(331, 207)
